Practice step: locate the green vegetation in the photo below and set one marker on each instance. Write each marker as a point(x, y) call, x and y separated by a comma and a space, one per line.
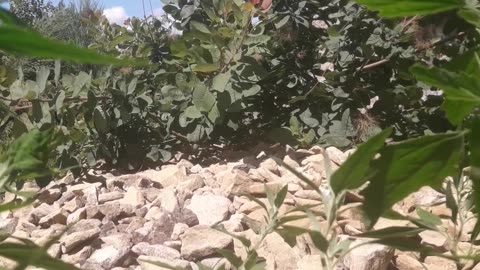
point(299, 72)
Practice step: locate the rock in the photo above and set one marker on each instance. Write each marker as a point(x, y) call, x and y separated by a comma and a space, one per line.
point(178, 230)
point(259, 189)
point(125, 181)
point(85, 224)
point(308, 194)
point(369, 257)
point(195, 246)
point(41, 211)
point(43, 236)
point(55, 250)
point(438, 263)
point(66, 197)
point(77, 216)
point(119, 240)
point(433, 239)
point(216, 263)
point(309, 262)
point(8, 225)
point(271, 165)
point(153, 213)
point(108, 257)
point(336, 155)
point(91, 195)
point(188, 217)
point(267, 175)
point(210, 209)
point(145, 265)
point(155, 232)
point(116, 211)
point(49, 196)
point(173, 244)
point(405, 262)
point(425, 197)
point(73, 205)
point(79, 257)
point(193, 183)
point(133, 197)
point(108, 228)
point(233, 182)
point(79, 188)
point(159, 251)
point(78, 239)
point(290, 161)
point(110, 196)
point(134, 224)
point(274, 249)
point(56, 217)
point(234, 224)
point(168, 176)
point(53, 231)
point(169, 201)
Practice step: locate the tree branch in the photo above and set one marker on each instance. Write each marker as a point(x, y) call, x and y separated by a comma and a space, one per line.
point(434, 44)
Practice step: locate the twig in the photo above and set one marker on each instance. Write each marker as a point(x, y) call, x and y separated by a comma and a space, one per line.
point(242, 39)
point(434, 44)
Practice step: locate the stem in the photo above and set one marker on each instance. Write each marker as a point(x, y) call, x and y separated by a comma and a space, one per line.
point(242, 39)
point(434, 44)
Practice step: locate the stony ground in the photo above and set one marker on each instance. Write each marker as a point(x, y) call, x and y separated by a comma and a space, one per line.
point(119, 222)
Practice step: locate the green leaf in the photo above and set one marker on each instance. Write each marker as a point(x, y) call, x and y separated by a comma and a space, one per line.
point(428, 218)
point(471, 15)
point(100, 120)
point(192, 112)
point(450, 202)
point(205, 68)
point(282, 22)
point(220, 81)
point(132, 86)
point(57, 70)
point(404, 244)
point(200, 27)
point(42, 77)
point(319, 241)
point(256, 40)
point(404, 8)
point(290, 234)
point(269, 194)
point(203, 99)
point(231, 257)
point(24, 42)
point(283, 136)
point(351, 174)
point(392, 232)
point(462, 91)
point(405, 167)
point(280, 197)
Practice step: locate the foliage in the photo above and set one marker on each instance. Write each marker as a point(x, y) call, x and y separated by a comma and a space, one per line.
point(72, 22)
point(238, 72)
point(393, 171)
point(30, 11)
point(28, 157)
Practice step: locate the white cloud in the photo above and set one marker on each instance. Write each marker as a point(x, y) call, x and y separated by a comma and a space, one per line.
point(116, 15)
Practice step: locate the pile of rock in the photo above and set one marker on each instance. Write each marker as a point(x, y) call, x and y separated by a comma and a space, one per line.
point(125, 222)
